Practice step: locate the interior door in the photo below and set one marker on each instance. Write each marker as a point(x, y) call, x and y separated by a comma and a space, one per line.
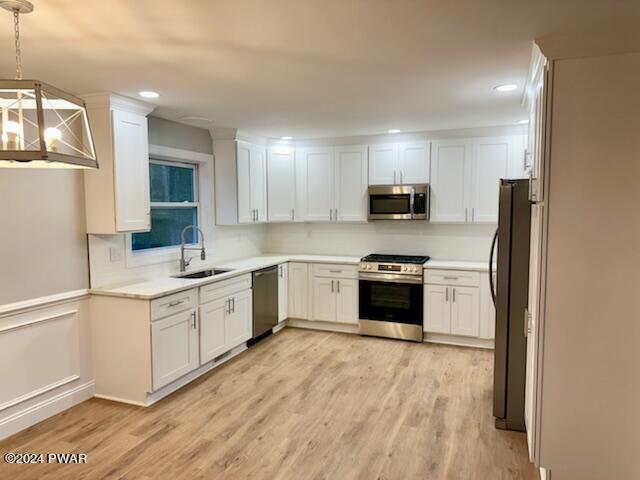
point(281, 185)
point(351, 183)
point(174, 342)
point(414, 162)
point(324, 299)
point(245, 208)
point(465, 311)
point(449, 181)
point(258, 179)
point(238, 324)
point(347, 301)
point(490, 164)
point(383, 164)
point(437, 318)
point(320, 184)
point(131, 154)
point(212, 329)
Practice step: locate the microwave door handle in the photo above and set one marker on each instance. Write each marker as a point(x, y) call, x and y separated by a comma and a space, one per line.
point(412, 202)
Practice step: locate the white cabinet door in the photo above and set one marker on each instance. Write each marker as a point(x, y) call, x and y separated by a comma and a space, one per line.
point(131, 171)
point(238, 324)
point(490, 164)
point(383, 164)
point(450, 181)
point(437, 309)
point(283, 291)
point(347, 301)
point(245, 208)
point(298, 290)
point(258, 175)
point(212, 329)
point(324, 299)
point(319, 185)
point(351, 183)
point(174, 346)
point(281, 184)
point(414, 161)
point(465, 311)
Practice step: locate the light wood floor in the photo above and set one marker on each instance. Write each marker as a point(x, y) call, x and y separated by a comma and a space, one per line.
point(299, 405)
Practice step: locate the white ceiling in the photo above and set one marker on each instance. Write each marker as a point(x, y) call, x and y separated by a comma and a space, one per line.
point(307, 68)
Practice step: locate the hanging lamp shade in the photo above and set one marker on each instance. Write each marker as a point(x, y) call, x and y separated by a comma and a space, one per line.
point(40, 125)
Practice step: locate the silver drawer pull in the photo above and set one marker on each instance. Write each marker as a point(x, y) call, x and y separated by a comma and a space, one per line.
point(177, 302)
point(451, 278)
point(335, 271)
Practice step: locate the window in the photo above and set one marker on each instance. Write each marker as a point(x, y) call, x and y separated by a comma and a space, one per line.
point(174, 205)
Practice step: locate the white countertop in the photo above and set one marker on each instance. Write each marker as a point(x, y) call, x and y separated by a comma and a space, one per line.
point(162, 286)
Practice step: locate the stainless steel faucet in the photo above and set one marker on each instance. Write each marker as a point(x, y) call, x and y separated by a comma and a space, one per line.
point(184, 263)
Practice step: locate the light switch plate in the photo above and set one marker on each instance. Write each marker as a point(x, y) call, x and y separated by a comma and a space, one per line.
point(115, 254)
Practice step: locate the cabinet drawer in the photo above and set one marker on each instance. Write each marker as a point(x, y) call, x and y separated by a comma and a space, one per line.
point(217, 290)
point(335, 270)
point(165, 306)
point(452, 277)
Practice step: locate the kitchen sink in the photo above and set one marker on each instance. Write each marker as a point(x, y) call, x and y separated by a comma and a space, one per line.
point(202, 273)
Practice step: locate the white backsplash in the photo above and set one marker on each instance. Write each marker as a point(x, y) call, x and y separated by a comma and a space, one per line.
point(442, 242)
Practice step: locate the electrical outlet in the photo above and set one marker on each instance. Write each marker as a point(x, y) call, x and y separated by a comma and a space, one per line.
point(115, 254)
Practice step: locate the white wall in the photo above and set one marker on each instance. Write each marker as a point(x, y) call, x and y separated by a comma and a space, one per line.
point(443, 242)
point(590, 420)
point(43, 247)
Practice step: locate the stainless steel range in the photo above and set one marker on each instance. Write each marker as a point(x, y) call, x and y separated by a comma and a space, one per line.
point(391, 296)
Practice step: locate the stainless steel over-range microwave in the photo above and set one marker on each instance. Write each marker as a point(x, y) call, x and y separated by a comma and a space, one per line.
point(399, 202)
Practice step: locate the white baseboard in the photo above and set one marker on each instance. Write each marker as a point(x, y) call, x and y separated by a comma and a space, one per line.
point(45, 409)
point(545, 474)
point(459, 341)
point(324, 326)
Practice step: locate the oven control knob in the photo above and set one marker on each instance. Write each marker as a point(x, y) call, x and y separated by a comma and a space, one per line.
point(404, 269)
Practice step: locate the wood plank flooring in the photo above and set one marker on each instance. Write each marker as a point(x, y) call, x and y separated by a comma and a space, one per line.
point(299, 405)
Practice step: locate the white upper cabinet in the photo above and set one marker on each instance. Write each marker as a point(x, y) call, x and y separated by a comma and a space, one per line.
point(465, 177)
point(351, 184)
point(383, 164)
point(281, 181)
point(414, 160)
point(450, 172)
point(117, 194)
point(240, 182)
point(335, 183)
point(399, 163)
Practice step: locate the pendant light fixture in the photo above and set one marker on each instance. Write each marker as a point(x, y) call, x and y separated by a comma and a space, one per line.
point(40, 125)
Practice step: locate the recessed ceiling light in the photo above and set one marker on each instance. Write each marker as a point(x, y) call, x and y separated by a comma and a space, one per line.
point(286, 138)
point(149, 94)
point(394, 130)
point(523, 122)
point(506, 88)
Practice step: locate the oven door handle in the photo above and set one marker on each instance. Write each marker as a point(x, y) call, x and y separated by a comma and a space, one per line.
point(390, 278)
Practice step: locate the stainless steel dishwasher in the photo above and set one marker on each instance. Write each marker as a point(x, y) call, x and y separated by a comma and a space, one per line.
point(265, 302)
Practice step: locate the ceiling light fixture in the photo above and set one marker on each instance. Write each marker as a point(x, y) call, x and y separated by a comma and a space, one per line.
point(286, 138)
point(523, 122)
point(41, 126)
point(149, 94)
point(510, 87)
point(394, 130)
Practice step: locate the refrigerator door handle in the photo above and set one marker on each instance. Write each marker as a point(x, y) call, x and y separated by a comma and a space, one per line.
point(492, 287)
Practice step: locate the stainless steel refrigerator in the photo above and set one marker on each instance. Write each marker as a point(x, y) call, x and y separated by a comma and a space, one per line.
point(510, 297)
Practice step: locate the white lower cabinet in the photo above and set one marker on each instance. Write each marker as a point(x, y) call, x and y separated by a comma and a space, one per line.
point(283, 292)
point(174, 347)
point(298, 290)
point(453, 306)
point(225, 323)
point(334, 298)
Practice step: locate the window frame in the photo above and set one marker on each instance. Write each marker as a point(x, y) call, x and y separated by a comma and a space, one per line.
point(135, 258)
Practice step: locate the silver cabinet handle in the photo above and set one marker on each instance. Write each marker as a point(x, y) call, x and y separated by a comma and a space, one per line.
point(335, 271)
point(331, 214)
point(450, 278)
point(454, 295)
point(227, 306)
point(394, 176)
point(446, 296)
point(193, 320)
point(336, 215)
point(233, 304)
point(400, 176)
point(473, 214)
point(331, 286)
point(466, 212)
point(527, 318)
point(177, 302)
point(293, 214)
point(338, 286)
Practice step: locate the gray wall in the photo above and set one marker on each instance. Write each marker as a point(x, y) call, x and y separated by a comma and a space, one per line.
point(176, 135)
point(43, 248)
